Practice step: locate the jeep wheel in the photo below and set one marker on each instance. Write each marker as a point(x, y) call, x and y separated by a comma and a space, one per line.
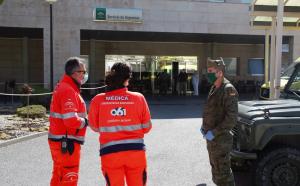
point(239, 166)
point(279, 167)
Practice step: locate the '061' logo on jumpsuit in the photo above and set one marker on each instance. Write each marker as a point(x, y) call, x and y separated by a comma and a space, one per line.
point(119, 111)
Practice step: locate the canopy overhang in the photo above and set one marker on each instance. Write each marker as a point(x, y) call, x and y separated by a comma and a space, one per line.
point(274, 16)
point(263, 11)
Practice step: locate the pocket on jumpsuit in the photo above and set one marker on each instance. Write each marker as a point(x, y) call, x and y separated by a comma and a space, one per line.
point(70, 165)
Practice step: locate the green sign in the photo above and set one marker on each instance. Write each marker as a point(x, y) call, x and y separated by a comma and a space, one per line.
point(100, 14)
point(132, 15)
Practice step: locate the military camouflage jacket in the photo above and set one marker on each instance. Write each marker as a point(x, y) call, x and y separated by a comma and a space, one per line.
point(221, 109)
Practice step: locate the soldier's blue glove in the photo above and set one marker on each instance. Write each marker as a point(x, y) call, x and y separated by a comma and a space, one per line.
point(202, 132)
point(209, 135)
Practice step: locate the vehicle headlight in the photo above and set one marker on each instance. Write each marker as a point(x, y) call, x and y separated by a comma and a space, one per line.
point(246, 129)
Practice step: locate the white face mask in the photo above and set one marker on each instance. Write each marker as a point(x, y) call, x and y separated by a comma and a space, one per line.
point(85, 78)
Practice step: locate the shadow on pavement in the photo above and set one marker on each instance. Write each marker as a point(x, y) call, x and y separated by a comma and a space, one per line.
point(175, 100)
point(175, 107)
point(175, 112)
point(241, 179)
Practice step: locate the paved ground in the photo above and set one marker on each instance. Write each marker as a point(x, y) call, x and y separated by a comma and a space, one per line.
point(176, 152)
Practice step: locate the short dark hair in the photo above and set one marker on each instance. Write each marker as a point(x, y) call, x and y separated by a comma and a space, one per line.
point(72, 64)
point(118, 74)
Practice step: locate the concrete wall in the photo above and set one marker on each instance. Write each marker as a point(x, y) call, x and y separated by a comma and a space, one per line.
point(190, 16)
point(169, 16)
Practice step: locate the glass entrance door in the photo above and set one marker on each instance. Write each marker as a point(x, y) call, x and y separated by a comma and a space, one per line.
point(155, 74)
point(173, 65)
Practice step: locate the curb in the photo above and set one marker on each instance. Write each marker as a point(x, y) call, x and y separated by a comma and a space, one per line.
point(21, 139)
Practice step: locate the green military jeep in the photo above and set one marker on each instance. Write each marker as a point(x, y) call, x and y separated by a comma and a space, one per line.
point(267, 137)
point(265, 88)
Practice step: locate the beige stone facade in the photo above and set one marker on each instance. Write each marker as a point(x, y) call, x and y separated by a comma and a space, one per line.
point(28, 56)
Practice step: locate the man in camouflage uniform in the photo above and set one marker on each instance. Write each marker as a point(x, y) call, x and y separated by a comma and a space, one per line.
point(219, 117)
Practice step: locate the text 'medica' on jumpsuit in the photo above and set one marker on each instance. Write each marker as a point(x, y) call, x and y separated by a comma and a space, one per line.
point(122, 118)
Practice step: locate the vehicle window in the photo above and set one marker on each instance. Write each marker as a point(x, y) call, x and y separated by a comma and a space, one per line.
point(246, 1)
point(295, 86)
point(231, 66)
point(288, 72)
point(256, 66)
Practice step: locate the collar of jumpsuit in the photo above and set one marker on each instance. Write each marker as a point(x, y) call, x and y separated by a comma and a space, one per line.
point(67, 79)
point(116, 91)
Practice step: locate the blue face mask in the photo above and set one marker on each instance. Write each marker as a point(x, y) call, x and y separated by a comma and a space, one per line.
point(85, 78)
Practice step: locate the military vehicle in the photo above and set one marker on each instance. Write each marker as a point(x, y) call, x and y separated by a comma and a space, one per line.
point(267, 137)
point(264, 92)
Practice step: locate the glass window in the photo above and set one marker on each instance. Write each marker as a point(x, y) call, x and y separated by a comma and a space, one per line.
point(256, 67)
point(217, 1)
point(285, 48)
point(146, 69)
point(246, 1)
point(231, 66)
point(295, 86)
point(137, 63)
point(287, 73)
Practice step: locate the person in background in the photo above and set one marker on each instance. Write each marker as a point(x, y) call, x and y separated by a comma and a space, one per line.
point(182, 82)
point(195, 82)
point(68, 124)
point(122, 118)
point(204, 85)
point(164, 82)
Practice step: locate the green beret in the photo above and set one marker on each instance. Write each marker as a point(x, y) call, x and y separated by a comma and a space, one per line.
point(218, 63)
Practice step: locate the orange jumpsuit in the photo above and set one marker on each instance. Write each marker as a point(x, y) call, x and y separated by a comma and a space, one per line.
point(122, 118)
point(67, 120)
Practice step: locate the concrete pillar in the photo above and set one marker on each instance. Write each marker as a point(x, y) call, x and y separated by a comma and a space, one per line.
point(272, 59)
point(290, 53)
point(100, 61)
point(153, 75)
point(25, 59)
point(46, 47)
point(199, 65)
point(209, 51)
point(279, 31)
point(92, 60)
point(296, 47)
point(92, 66)
point(66, 44)
point(214, 51)
point(267, 55)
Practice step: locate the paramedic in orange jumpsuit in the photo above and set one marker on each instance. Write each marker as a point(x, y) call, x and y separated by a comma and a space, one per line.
point(67, 124)
point(122, 118)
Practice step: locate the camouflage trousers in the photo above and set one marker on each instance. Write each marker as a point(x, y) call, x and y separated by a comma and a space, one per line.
point(219, 157)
